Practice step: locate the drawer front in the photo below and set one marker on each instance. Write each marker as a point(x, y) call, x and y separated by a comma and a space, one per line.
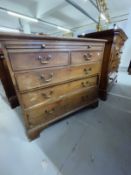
point(53, 111)
point(118, 49)
point(51, 44)
point(114, 65)
point(119, 42)
point(116, 53)
point(25, 61)
point(48, 94)
point(85, 57)
point(45, 78)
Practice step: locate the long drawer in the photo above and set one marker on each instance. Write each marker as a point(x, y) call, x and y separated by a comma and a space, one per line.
point(53, 111)
point(51, 44)
point(25, 61)
point(83, 57)
point(45, 95)
point(44, 78)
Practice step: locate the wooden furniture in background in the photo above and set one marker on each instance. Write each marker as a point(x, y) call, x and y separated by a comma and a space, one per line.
point(52, 76)
point(7, 82)
point(129, 68)
point(112, 56)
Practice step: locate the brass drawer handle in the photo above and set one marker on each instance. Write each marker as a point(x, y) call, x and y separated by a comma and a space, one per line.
point(43, 46)
point(50, 77)
point(50, 111)
point(85, 84)
point(44, 60)
point(87, 71)
point(98, 53)
point(47, 96)
point(87, 56)
point(114, 67)
point(89, 46)
point(1, 57)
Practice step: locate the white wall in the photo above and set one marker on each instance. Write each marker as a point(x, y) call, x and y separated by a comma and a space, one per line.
point(126, 56)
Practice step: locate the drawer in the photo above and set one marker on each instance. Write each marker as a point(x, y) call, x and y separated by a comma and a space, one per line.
point(118, 49)
point(53, 111)
point(114, 64)
point(85, 56)
point(45, 78)
point(51, 44)
point(25, 61)
point(118, 41)
point(116, 53)
point(48, 94)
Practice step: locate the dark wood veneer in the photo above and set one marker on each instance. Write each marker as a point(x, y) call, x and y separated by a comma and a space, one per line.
point(111, 60)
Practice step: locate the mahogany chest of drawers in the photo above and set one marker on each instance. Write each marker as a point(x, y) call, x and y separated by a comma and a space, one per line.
point(50, 77)
point(112, 56)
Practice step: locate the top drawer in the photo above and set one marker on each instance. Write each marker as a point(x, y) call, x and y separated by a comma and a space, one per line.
point(25, 60)
point(53, 44)
point(118, 41)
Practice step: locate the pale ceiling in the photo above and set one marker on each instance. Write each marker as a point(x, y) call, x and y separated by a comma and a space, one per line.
point(58, 12)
